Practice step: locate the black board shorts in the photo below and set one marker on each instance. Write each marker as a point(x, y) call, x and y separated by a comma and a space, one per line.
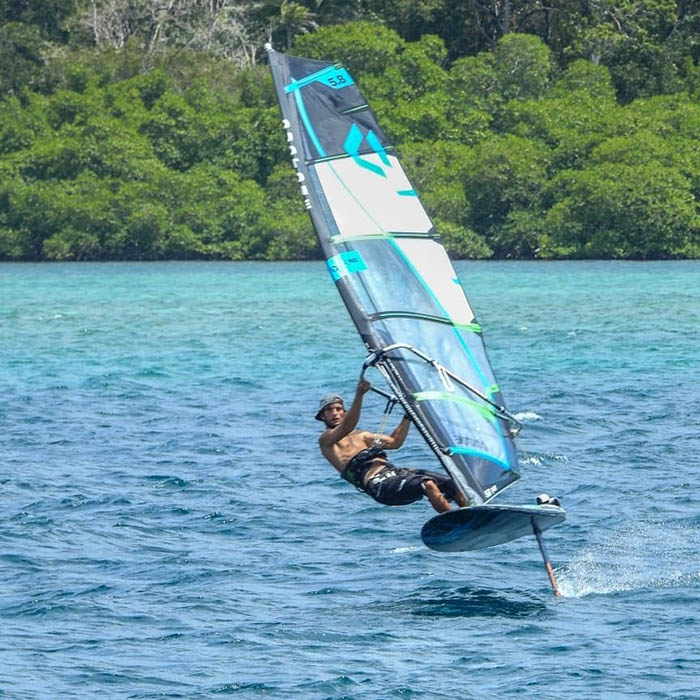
point(399, 487)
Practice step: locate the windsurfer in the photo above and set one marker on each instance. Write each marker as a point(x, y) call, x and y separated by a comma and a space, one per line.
point(360, 457)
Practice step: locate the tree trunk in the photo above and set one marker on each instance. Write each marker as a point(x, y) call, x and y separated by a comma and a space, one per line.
point(506, 17)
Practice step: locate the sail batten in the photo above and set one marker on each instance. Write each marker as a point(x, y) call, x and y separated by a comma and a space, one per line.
point(393, 274)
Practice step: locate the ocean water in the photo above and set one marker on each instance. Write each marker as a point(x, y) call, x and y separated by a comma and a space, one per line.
point(169, 529)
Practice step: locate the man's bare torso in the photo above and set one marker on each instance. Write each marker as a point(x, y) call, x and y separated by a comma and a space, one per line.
point(341, 452)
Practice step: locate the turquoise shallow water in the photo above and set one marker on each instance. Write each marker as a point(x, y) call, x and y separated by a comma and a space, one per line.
point(167, 528)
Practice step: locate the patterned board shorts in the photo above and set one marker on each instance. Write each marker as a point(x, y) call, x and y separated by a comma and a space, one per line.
point(399, 487)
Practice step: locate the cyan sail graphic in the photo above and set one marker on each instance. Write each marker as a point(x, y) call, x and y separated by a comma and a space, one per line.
point(352, 146)
point(394, 275)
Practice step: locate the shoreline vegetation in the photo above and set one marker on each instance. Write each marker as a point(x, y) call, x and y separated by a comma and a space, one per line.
point(561, 130)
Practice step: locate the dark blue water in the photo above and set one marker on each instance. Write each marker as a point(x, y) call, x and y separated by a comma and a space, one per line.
point(168, 528)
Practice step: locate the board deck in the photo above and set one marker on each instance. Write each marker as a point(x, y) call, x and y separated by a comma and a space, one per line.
point(488, 525)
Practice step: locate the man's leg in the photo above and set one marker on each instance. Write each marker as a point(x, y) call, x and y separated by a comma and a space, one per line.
point(435, 496)
point(449, 491)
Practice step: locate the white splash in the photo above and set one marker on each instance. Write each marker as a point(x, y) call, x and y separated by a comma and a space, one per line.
point(641, 555)
point(404, 550)
point(528, 416)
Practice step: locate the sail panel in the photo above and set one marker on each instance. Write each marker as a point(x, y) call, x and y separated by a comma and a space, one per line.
point(430, 263)
point(364, 193)
point(383, 284)
point(407, 274)
point(474, 423)
point(393, 273)
point(335, 116)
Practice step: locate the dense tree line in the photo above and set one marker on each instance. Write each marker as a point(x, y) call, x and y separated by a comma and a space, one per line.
point(144, 129)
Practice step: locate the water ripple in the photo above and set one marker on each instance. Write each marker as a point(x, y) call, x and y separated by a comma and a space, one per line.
point(169, 529)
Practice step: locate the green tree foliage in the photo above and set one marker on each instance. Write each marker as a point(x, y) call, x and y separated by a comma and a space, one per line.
point(21, 59)
point(473, 81)
point(508, 174)
point(621, 211)
point(481, 86)
point(141, 130)
point(133, 169)
point(644, 43)
point(583, 76)
point(523, 66)
point(572, 124)
point(364, 48)
point(461, 241)
point(48, 16)
point(437, 170)
point(20, 125)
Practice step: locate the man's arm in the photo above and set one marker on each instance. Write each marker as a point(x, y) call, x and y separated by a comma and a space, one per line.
point(398, 435)
point(350, 419)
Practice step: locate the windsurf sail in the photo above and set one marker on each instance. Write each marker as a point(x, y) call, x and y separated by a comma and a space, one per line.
point(394, 275)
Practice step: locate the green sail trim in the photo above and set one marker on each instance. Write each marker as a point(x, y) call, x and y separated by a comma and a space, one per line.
point(355, 109)
point(492, 389)
point(473, 327)
point(485, 410)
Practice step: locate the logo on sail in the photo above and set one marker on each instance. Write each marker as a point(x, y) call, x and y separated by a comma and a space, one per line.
point(295, 161)
point(352, 144)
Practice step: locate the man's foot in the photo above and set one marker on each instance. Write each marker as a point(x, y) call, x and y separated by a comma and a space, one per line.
point(545, 500)
point(462, 502)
